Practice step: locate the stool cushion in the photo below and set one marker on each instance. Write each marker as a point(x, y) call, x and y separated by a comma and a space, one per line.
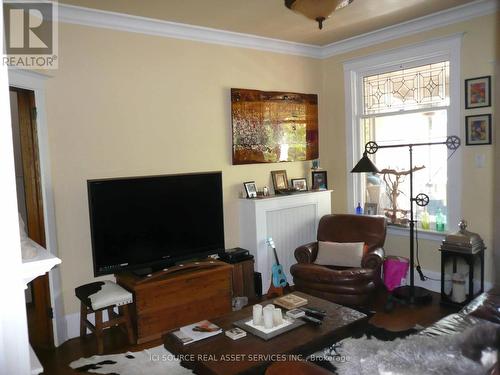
point(103, 294)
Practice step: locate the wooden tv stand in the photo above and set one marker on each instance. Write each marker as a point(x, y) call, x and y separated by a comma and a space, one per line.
point(179, 296)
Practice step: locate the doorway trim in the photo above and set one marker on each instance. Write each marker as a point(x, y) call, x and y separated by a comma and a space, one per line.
point(36, 82)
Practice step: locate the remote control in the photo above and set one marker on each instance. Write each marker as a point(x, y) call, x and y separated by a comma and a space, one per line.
point(320, 314)
point(312, 320)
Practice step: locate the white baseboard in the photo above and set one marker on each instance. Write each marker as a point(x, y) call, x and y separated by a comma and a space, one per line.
point(73, 324)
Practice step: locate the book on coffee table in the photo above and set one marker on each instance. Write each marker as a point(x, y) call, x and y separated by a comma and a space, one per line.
point(290, 301)
point(235, 333)
point(197, 331)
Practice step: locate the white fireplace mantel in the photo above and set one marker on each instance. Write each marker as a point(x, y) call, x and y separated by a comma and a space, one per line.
point(291, 220)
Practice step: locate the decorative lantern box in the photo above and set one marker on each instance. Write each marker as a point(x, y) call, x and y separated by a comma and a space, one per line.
point(469, 247)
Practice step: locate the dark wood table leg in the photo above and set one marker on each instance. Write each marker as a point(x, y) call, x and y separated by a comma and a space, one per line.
point(83, 318)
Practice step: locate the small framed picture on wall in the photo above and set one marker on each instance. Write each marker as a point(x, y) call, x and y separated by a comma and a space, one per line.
point(319, 180)
point(478, 92)
point(478, 130)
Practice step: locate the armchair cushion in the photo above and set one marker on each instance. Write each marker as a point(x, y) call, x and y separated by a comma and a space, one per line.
point(321, 274)
point(344, 254)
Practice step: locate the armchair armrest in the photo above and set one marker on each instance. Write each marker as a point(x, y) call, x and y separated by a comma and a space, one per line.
point(306, 253)
point(373, 259)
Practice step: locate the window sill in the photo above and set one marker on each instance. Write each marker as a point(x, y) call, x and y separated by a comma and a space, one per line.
point(422, 235)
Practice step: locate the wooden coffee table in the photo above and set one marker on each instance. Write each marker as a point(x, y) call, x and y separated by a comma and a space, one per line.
point(220, 355)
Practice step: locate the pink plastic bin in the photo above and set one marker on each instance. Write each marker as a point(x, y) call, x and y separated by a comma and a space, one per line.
point(395, 269)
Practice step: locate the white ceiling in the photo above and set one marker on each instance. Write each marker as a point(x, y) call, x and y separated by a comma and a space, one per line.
point(270, 18)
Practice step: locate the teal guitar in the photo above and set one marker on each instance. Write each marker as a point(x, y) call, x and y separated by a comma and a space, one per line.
point(278, 276)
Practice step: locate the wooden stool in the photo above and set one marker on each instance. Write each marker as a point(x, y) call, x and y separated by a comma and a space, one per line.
point(104, 295)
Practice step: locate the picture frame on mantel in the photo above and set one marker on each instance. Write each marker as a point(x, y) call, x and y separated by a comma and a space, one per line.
point(319, 180)
point(251, 189)
point(280, 180)
point(299, 184)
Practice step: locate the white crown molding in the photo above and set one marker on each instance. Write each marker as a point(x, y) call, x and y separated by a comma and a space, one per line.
point(432, 21)
point(23, 78)
point(142, 25)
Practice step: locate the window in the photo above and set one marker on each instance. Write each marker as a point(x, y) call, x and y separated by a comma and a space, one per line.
point(409, 95)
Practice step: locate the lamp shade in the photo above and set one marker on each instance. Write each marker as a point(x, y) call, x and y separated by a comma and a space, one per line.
point(365, 165)
point(318, 10)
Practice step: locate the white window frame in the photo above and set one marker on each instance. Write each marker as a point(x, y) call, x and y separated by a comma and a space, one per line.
point(432, 51)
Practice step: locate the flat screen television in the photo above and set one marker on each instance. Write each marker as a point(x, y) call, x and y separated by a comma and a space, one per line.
point(148, 223)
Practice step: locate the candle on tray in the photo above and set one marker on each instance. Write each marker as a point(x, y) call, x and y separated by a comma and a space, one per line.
point(268, 316)
point(257, 315)
point(277, 317)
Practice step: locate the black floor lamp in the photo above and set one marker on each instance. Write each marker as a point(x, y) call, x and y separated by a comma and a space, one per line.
point(410, 293)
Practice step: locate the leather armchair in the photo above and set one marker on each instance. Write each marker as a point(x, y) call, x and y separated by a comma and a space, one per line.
point(345, 285)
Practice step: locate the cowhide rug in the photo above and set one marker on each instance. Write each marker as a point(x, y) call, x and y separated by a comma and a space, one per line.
point(154, 361)
point(415, 354)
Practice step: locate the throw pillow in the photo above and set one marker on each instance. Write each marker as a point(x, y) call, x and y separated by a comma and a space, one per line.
point(344, 254)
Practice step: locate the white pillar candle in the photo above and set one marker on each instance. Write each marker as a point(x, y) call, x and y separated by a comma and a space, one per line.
point(277, 317)
point(268, 317)
point(257, 315)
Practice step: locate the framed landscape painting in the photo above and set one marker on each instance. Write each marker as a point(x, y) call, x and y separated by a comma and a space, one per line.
point(272, 127)
point(478, 92)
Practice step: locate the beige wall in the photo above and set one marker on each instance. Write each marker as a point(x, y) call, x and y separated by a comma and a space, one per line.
point(125, 104)
point(478, 55)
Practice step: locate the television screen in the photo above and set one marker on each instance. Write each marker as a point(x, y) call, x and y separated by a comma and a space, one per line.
point(144, 222)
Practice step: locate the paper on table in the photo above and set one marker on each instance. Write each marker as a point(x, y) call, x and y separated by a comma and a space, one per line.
point(211, 330)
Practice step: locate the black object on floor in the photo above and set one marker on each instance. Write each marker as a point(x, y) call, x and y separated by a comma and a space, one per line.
point(408, 295)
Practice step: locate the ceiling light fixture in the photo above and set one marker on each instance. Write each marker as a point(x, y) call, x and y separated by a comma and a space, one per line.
point(317, 10)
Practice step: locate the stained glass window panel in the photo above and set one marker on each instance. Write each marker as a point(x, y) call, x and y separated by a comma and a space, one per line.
point(407, 89)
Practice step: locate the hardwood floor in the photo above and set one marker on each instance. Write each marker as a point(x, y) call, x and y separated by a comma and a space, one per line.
point(55, 362)
point(406, 317)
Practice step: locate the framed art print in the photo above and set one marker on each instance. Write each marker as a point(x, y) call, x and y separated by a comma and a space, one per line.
point(280, 180)
point(251, 189)
point(299, 184)
point(478, 92)
point(264, 120)
point(319, 181)
point(478, 130)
